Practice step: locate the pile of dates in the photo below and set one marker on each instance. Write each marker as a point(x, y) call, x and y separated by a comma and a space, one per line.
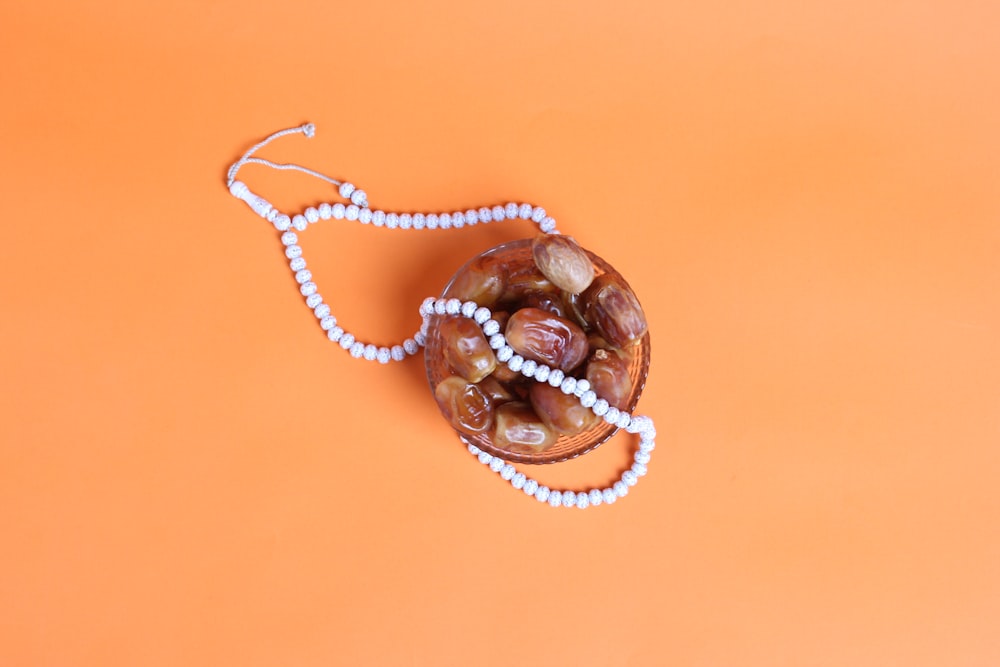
point(553, 311)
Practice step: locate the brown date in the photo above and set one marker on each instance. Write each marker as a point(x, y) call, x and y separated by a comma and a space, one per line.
point(547, 301)
point(613, 310)
point(503, 374)
point(519, 429)
point(465, 405)
point(482, 281)
point(466, 349)
point(561, 412)
point(563, 261)
point(496, 391)
point(546, 338)
point(523, 280)
point(609, 377)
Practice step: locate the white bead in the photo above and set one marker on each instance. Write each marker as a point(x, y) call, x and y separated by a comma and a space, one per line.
point(441, 306)
point(621, 489)
point(485, 458)
point(524, 211)
point(293, 251)
point(496, 465)
point(289, 238)
point(391, 220)
point(630, 478)
point(427, 307)
point(282, 222)
point(378, 218)
point(528, 368)
point(518, 480)
point(421, 338)
point(444, 221)
point(359, 197)
point(338, 211)
point(365, 216)
point(469, 308)
point(312, 215)
point(432, 221)
point(548, 225)
point(498, 213)
point(515, 362)
point(639, 423)
point(474, 450)
point(588, 399)
point(308, 289)
point(405, 221)
point(623, 420)
point(453, 306)
point(419, 220)
point(541, 494)
point(314, 300)
point(568, 385)
point(642, 457)
point(357, 350)
point(300, 223)
point(609, 496)
point(555, 378)
point(491, 328)
point(582, 386)
point(471, 216)
point(328, 323)
point(639, 469)
point(600, 407)
point(582, 501)
point(596, 497)
point(334, 334)
point(351, 213)
point(297, 264)
point(370, 352)
point(410, 346)
point(538, 214)
point(325, 211)
point(530, 487)
point(397, 353)
point(458, 220)
point(507, 471)
point(346, 189)
point(511, 210)
point(611, 416)
point(505, 353)
point(568, 499)
point(347, 340)
point(322, 310)
point(542, 373)
point(485, 215)
point(303, 276)
point(497, 341)
point(555, 498)
point(482, 314)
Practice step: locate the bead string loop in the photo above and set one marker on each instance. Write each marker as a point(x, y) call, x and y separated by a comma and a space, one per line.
point(355, 207)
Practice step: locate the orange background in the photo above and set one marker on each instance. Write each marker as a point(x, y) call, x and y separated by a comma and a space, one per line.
point(805, 199)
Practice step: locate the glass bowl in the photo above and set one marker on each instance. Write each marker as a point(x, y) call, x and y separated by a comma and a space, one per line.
point(516, 254)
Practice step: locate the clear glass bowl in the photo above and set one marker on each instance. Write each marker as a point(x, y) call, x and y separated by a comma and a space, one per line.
point(515, 254)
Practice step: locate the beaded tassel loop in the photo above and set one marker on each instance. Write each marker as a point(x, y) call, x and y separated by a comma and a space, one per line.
point(354, 206)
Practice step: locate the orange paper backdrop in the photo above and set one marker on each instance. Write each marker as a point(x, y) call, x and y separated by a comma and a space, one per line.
point(804, 196)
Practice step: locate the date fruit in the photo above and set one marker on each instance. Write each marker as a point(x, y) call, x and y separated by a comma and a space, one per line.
point(563, 261)
point(609, 378)
point(546, 301)
point(466, 349)
point(465, 405)
point(496, 391)
point(561, 412)
point(546, 338)
point(483, 281)
point(613, 310)
point(519, 429)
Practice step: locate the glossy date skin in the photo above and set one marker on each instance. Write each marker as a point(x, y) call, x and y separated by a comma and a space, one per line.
point(614, 312)
point(561, 412)
point(560, 259)
point(519, 429)
point(483, 281)
point(466, 349)
point(609, 377)
point(546, 338)
point(464, 405)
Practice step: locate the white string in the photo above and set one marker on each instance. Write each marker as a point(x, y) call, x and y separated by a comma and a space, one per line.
point(358, 209)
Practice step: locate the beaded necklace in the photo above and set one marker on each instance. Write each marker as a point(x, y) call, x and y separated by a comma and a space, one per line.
point(355, 207)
